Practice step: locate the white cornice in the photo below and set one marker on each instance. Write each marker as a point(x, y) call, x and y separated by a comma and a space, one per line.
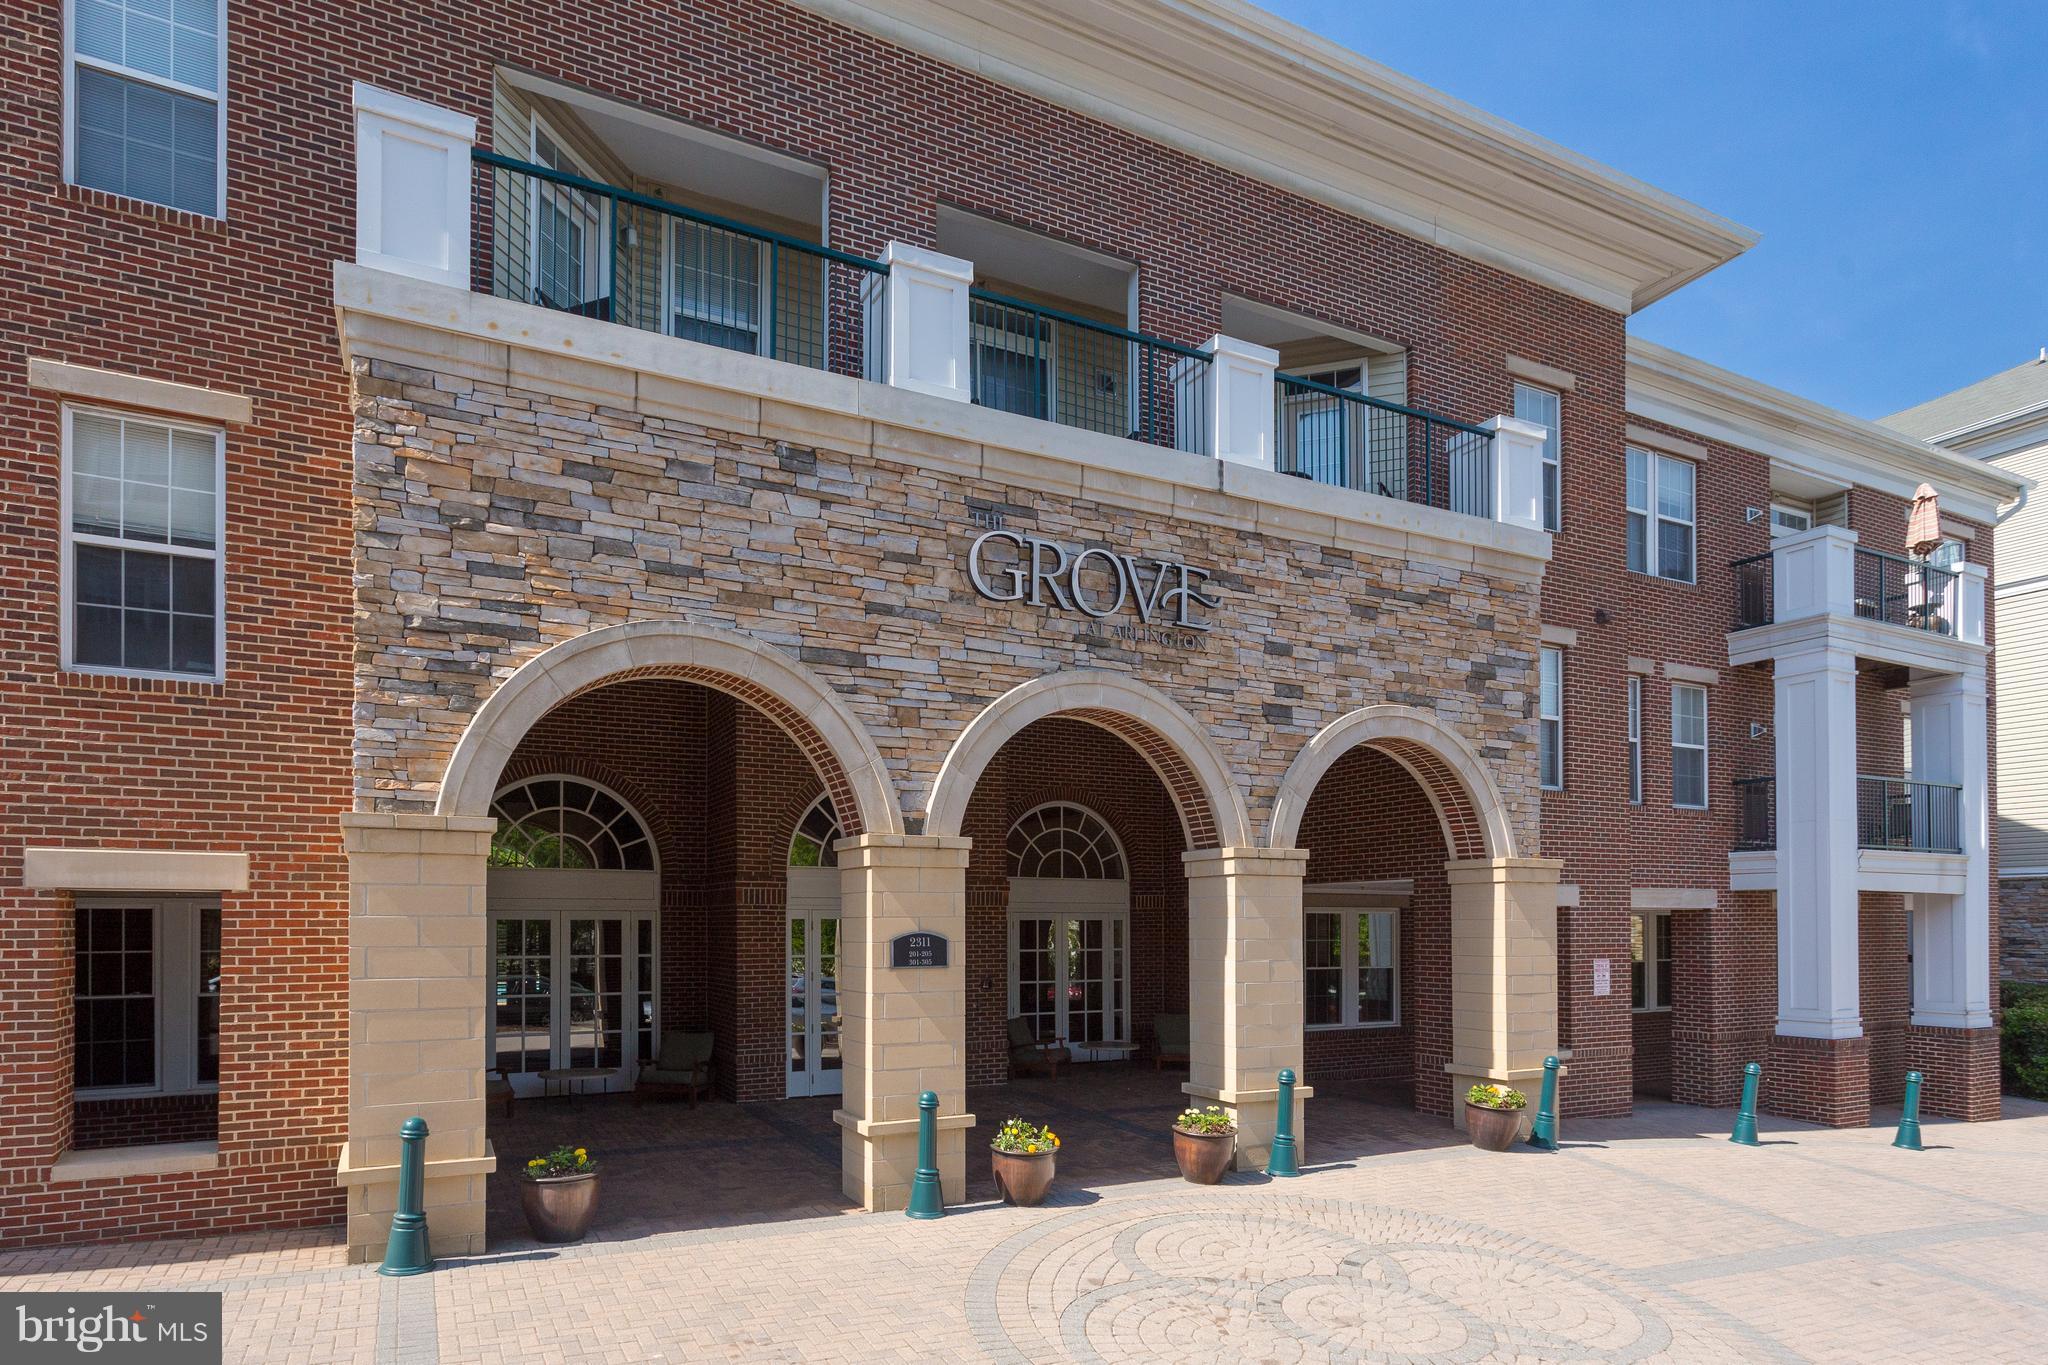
point(1228, 82)
point(1691, 395)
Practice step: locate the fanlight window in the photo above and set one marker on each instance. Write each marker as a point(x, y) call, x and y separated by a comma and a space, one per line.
point(811, 845)
point(1060, 840)
point(560, 822)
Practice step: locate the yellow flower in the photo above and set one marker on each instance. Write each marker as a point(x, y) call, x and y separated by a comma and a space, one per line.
point(1033, 1149)
point(1055, 1142)
point(581, 1159)
point(579, 1151)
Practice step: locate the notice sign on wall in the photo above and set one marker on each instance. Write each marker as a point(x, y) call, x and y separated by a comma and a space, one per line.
point(1603, 977)
point(919, 949)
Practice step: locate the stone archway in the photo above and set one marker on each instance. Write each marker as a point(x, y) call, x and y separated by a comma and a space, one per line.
point(1474, 819)
point(791, 696)
point(1173, 743)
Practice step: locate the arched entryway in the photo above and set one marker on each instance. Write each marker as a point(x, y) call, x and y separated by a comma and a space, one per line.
point(814, 1059)
point(1069, 941)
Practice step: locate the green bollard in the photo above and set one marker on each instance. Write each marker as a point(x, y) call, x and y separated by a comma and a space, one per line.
point(1745, 1117)
point(407, 1253)
point(1909, 1122)
point(1281, 1162)
point(1543, 1132)
point(927, 1200)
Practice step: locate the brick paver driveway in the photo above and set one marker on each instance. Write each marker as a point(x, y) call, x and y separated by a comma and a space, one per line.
point(1647, 1239)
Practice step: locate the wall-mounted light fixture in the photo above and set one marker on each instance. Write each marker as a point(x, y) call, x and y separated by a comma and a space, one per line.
point(1758, 729)
point(1752, 515)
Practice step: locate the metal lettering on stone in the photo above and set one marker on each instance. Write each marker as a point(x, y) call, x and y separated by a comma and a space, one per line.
point(920, 948)
point(1164, 595)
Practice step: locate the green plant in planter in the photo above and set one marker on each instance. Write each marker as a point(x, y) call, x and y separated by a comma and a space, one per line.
point(1019, 1138)
point(1488, 1096)
point(1208, 1121)
point(560, 1162)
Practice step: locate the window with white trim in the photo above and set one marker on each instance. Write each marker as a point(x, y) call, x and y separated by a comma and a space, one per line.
point(1789, 519)
point(1545, 407)
point(1635, 741)
point(1689, 746)
point(141, 554)
point(146, 996)
point(1350, 974)
point(145, 86)
point(1649, 946)
point(1661, 491)
point(1550, 719)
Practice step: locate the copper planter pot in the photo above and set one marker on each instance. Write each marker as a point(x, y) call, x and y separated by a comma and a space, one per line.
point(1203, 1157)
point(1492, 1130)
point(1022, 1177)
point(559, 1208)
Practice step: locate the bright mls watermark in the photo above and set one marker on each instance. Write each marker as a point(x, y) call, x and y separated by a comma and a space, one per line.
point(175, 1329)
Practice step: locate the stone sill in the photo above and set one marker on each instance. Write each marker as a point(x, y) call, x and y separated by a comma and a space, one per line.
point(880, 1128)
point(118, 1163)
point(346, 1174)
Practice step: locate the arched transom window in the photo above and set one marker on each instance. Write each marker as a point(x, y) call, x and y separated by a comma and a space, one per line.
point(811, 845)
point(1063, 840)
point(561, 822)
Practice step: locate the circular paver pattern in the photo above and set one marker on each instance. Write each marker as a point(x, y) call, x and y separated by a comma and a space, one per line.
point(1268, 1278)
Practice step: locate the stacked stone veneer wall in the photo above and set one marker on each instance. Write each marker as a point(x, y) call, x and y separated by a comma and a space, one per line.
point(2023, 928)
point(500, 519)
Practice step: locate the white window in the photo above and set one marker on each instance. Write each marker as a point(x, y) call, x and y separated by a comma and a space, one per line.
point(1649, 945)
point(142, 535)
point(1635, 741)
point(718, 286)
point(1789, 519)
point(570, 251)
point(145, 100)
point(1350, 977)
point(1689, 747)
point(1660, 515)
point(146, 1005)
point(1545, 408)
point(1550, 719)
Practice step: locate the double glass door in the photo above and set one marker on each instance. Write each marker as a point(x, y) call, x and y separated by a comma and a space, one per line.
point(1069, 978)
point(812, 1034)
point(570, 990)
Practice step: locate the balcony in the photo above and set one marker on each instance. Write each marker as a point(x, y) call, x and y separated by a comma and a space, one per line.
point(1892, 813)
point(1343, 437)
point(1893, 589)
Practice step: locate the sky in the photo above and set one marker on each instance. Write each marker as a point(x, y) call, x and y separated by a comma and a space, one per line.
point(1892, 153)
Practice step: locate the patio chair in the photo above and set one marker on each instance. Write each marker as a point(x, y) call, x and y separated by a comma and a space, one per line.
point(1028, 1054)
point(1169, 1039)
point(681, 1066)
point(498, 1086)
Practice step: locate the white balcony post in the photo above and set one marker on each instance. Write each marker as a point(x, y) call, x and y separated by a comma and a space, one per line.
point(927, 338)
point(1517, 471)
point(1814, 574)
point(412, 186)
point(1815, 727)
point(1971, 584)
point(1236, 402)
point(1952, 934)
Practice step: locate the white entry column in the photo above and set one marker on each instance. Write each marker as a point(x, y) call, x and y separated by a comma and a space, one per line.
point(1952, 934)
point(1818, 990)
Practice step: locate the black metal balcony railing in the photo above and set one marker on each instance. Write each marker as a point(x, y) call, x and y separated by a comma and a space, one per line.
point(1892, 812)
point(1352, 440)
point(1753, 601)
point(566, 242)
point(1061, 367)
point(1905, 592)
point(1895, 589)
point(1756, 813)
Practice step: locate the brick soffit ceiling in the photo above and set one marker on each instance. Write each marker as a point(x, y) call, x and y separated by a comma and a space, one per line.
point(1228, 82)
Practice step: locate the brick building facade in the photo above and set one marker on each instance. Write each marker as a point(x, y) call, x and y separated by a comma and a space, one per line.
point(436, 508)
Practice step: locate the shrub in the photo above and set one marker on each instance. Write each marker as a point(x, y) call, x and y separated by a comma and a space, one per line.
point(1208, 1122)
point(2024, 1049)
point(1019, 1138)
point(1496, 1097)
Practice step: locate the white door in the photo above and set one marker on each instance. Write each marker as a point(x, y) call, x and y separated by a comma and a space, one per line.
point(573, 973)
point(1070, 963)
point(811, 961)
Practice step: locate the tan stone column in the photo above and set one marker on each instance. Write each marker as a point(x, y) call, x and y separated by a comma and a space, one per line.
point(1503, 974)
point(901, 1032)
point(1244, 988)
point(419, 974)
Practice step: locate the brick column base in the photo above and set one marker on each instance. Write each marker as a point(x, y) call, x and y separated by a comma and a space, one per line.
point(1818, 1080)
point(1959, 1067)
point(1706, 1067)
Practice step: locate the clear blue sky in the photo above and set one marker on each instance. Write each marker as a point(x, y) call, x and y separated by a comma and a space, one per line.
point(1892, 153)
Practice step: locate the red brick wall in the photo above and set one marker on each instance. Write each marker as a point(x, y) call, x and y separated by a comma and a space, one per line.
point(1068, 760)
point(1651, 1035)
point(156, 1118)
point(1368, 820)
